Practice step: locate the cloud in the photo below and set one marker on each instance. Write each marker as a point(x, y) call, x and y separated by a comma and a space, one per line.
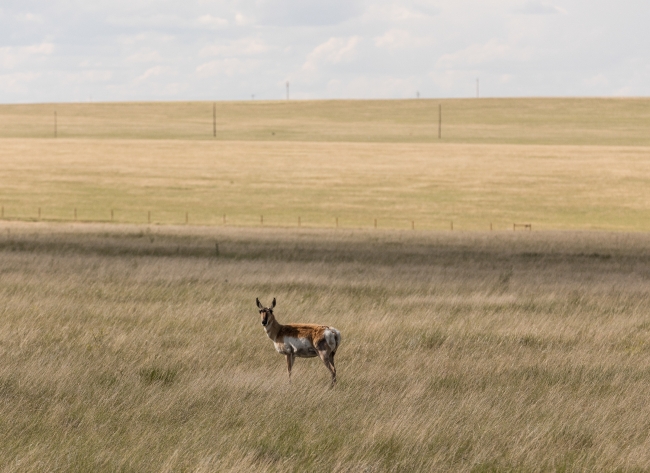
point(332, 51)
point(396, 39)
point(306, 12)
point(151, 72)
point(229, 67)
point(537, 7)
point(480, 54)
point(212, 22)
point(240, 47)
point(11, 57)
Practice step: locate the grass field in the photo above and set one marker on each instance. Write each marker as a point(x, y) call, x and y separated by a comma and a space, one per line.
point(554, 163)
point(130, 348)
point(560, 121)
point(127, 346)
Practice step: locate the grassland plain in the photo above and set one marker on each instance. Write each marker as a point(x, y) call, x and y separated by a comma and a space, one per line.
point(398, 184)
point(555, 163)
point(136, 348)
point(559, 121)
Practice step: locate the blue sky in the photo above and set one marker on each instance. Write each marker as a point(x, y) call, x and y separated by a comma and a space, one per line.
point(80, 51)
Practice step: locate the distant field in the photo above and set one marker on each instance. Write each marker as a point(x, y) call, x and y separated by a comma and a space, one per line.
point(138, 349)
point(553, 163)
point(398, 184)
point(563, 121)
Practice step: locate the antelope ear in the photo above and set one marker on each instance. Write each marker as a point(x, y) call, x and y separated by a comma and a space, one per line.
point(273, 303)
point(259, 304)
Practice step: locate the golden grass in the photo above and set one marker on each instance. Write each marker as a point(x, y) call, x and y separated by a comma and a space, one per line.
point(552, 187)
point(138, 349)
point(588, 121)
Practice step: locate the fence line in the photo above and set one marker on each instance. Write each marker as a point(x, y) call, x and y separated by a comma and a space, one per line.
point(245, 220)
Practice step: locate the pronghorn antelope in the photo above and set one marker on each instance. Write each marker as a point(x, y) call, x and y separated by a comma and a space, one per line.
point(302, 340)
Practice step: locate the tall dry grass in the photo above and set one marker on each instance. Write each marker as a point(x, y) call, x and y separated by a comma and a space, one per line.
point(139, 349)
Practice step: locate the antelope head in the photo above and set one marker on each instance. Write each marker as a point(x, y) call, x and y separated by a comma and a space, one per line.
point(266, 313)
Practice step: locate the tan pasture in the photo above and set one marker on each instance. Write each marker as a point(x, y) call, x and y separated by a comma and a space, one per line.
point(135, 348)
point(577, 121)
point(401, 185)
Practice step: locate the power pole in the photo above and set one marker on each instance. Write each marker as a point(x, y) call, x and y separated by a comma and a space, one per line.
point(287, 90)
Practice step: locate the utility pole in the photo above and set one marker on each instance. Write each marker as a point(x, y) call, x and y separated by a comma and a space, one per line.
point(287, 90)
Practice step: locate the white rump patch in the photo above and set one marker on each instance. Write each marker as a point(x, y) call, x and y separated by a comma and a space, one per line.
point(332, 337)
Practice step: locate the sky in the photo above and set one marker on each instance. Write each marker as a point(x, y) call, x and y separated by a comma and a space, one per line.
point(123, 50)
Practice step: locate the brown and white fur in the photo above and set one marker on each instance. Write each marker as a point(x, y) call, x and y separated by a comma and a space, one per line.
point(302, 340)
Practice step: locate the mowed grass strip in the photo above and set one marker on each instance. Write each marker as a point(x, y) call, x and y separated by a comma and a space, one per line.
point(577, 121)
point(400, 185)
point(461, 352)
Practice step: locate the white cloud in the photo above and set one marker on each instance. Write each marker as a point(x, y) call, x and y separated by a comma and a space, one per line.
point(144, 55)
point(151, 72)
point(537, 7)
point(29, 18)
point(11, 57)
point(476, 55)
point(241, 47)
point(396, 39)
point(213, 22)
point(332, 51)
point(230, 67)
